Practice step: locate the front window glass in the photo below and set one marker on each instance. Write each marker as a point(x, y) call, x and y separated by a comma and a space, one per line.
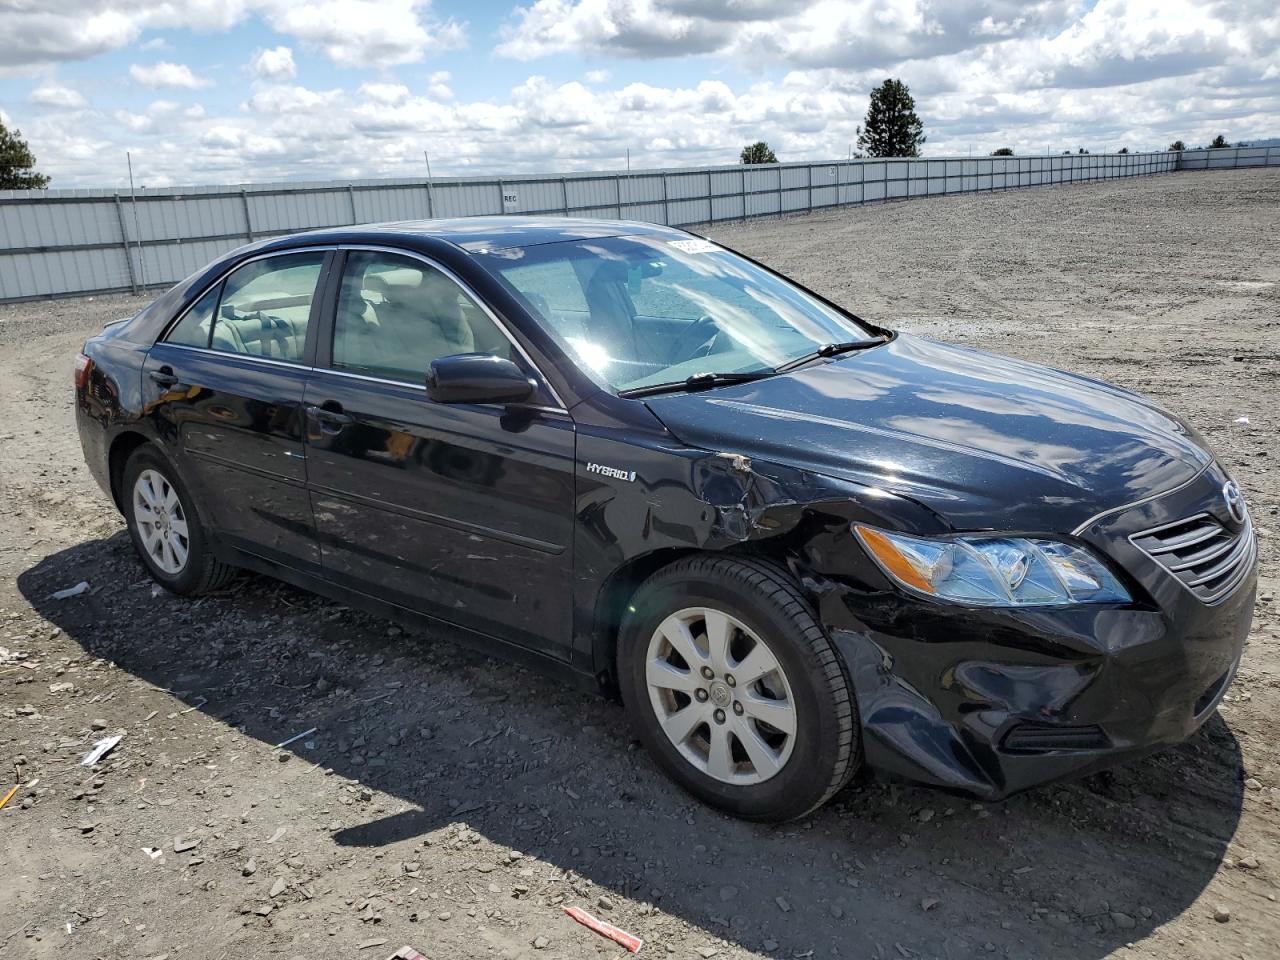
point(641, 311)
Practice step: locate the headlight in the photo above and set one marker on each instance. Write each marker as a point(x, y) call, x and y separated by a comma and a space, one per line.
point(992, 571)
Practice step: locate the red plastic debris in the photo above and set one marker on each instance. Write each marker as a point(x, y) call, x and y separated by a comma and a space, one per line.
point(628, 940)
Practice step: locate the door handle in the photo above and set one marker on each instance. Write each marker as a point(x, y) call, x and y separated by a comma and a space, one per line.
point(331, 420)
point(164, 377)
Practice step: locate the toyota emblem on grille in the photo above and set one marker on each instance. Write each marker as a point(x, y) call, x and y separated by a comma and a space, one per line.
point(1234, 500)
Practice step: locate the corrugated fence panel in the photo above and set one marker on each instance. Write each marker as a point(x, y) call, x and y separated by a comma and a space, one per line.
point(296, 210)
point(36, 224)
point(533, 196)
point(31, 275)
point(182, 217)
point(170, 262)
point(391, 203)
point(74, 241)
point(682, 186)
point(590, 196)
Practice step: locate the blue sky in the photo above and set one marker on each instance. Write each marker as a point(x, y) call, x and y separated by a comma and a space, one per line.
point(214, 91)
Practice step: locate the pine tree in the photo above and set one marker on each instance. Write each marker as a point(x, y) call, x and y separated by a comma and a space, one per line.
point(17, 164)
point(1177, 146)
point(1219, 142)
point(892, 128)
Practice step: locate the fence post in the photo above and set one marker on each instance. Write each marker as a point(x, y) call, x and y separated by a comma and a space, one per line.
point(617, 194)
point(564, 194)
point(711, 203)
point(248, 222)
point(666, 204)
point(124, 240)
point(351, 195)
point(742, 189)
point(809, 174)
point(862, 182)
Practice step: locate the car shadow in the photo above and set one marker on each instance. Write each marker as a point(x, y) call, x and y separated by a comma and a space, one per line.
point(885, 870)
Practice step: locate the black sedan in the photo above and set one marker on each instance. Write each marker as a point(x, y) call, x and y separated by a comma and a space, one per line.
point(794, 542)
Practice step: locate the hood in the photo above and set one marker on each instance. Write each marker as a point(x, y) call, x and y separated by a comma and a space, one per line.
point(986, 441)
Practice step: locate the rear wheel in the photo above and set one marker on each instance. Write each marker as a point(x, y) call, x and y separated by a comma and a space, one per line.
point(735, 689)
point(165, 526)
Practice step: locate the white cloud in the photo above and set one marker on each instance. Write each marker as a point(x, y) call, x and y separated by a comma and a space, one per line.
point(810, 33)
point(60, 97)
point(364, 33)
point(165, 74)
point(274, 64)
point(438, 85)
point(352, 33)
point(1135, 73)
point(155, 43)
point(384, 92)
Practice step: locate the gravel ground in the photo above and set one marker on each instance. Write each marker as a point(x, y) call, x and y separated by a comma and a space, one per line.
point(456, 803)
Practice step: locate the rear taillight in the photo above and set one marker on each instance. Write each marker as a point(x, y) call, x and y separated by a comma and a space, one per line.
point(83, 366)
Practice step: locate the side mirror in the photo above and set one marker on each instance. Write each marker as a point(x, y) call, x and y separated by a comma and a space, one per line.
point(477, 378)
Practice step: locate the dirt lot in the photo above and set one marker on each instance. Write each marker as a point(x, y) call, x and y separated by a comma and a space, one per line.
point(455, 803)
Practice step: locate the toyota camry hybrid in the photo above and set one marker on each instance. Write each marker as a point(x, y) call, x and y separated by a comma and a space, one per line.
point(794, 542)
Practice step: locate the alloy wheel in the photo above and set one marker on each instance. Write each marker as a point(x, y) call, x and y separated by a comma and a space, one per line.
point(720, 696)
point(161, 521)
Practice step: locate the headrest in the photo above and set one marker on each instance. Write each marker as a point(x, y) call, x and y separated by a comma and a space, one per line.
point(393, 281)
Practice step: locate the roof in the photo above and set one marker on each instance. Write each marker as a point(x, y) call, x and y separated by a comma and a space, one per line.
point(498, 233)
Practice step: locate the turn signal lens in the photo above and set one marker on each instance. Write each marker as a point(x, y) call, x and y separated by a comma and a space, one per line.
point(993, 571)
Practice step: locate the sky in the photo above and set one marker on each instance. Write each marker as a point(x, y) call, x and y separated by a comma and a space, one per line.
point(225, 91)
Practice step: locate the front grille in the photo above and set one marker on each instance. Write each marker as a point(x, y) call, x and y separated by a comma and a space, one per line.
point(1042, 738)
point(1205, 556)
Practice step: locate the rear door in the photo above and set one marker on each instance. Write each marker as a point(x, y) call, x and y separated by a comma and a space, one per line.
point(225, 387)
point(460, 511)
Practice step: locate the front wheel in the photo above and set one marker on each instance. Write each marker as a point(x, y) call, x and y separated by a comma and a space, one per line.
point(165, 527)
point(736, 691)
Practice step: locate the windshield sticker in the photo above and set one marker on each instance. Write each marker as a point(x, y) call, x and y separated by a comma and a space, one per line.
point(694, 246)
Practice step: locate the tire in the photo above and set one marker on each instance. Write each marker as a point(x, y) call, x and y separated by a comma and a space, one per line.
point(160, 536)
point(726, 752)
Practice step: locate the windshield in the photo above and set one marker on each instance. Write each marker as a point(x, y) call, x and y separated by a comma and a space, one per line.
point(642, 311)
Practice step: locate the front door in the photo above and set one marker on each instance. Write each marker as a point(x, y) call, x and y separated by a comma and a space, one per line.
point(460, 511)
point(225, 389)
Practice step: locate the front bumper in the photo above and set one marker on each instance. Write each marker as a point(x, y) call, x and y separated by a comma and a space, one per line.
point(990, 702)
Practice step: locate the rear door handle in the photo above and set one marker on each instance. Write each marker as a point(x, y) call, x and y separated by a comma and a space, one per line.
point(330, 420)
point(164, 377)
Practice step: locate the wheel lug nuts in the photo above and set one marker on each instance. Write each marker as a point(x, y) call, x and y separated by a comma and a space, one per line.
point(701, 695)
point(708, 673)
point(737, 708)
point(719, 715)
point(728, 678)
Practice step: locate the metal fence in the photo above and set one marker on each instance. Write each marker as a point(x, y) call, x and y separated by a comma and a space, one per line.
point(77, 242)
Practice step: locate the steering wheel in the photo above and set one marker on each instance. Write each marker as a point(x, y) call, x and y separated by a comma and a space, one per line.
point(697, 340)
